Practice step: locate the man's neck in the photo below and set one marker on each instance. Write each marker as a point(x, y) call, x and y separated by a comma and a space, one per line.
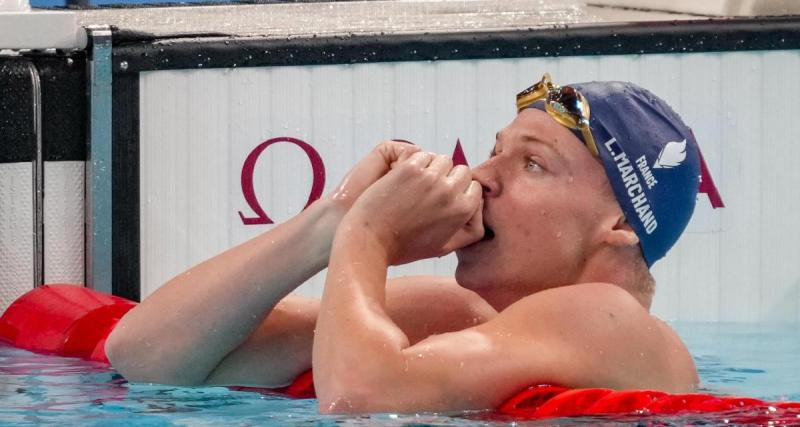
point(618, 271)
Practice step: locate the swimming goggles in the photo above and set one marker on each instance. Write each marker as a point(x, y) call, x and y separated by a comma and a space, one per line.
point(564, 103)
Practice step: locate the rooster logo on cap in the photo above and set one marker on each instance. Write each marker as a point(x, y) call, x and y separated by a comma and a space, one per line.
point(672, 155)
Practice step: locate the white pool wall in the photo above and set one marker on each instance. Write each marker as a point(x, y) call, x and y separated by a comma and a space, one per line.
point(63, 226)
point(733, 264)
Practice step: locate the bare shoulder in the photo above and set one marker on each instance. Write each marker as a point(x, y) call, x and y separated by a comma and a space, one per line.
point(429, 305)
point(606, 338)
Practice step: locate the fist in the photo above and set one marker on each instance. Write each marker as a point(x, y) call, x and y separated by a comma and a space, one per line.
point(423, 207)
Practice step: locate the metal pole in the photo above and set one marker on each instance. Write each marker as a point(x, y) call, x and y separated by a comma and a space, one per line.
point(98, 164)
point(38, 180)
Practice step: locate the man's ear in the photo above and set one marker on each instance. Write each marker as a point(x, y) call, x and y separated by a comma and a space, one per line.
point(621, 234)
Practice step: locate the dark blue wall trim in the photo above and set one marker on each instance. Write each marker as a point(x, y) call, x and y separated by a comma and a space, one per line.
point(125, 187)
point(138, 52)
point(17, 134)
point(63, 85)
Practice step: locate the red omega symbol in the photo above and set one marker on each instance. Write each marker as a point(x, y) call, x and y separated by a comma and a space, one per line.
point(248, 190)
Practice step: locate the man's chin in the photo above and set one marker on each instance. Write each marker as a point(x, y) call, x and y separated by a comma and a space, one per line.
point(471, 273)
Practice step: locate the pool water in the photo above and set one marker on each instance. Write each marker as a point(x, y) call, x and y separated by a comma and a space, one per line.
point(757, 360)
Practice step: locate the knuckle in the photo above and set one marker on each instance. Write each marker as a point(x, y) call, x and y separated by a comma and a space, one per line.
point(459, 170)
point(429, 175)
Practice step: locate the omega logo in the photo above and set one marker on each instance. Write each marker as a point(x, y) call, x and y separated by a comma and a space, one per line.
point(248, 189)
point(318, 170)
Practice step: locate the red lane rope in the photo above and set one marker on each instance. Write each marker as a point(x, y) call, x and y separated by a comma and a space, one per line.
point(552, 401)
point(70, 320)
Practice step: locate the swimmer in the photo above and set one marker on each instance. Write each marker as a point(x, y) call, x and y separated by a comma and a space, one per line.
point(554, 233)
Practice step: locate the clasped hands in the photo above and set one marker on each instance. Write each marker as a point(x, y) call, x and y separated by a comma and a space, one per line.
point(413, 204)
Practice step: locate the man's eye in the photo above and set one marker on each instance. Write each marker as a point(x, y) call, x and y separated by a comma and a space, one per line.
point(533, 165)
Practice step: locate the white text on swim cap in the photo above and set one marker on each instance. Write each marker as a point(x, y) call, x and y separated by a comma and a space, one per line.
point(633, 186)
point(649, 178)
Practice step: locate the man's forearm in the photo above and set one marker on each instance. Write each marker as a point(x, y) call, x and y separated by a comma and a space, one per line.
point(183, 331)
point(356, 342)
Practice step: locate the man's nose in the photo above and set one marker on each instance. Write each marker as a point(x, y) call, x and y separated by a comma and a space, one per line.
point(486, 175)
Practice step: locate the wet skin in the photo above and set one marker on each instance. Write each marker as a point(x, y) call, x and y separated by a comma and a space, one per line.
point(534, 302)
point(556, 245)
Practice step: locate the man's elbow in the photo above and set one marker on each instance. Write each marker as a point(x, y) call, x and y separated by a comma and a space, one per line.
point(346, 400)
point(130, 360)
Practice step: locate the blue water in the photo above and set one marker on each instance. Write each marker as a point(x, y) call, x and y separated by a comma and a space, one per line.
point(754, 360)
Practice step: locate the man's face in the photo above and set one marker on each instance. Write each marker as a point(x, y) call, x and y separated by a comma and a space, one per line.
point(545, 198)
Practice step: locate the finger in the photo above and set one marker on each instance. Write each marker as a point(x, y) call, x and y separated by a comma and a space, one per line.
point(382, 157)
point(420, 159)
point(476, 220)
point(441, 165)
point(404, 152)
point(394, 151)
point(469, 234)
point(474, 193)
point(460, 177)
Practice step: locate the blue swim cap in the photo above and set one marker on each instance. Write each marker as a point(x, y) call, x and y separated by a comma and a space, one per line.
point(651, 159)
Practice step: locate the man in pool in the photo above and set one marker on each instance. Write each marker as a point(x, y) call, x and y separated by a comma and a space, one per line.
point(554, 233)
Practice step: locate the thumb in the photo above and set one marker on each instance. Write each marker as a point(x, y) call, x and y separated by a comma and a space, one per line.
point(470, 233)
point(396, 151)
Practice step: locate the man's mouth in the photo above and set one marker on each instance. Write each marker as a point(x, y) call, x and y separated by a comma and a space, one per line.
point(488, 233)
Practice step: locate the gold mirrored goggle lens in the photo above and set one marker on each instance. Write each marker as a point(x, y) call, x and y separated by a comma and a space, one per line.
point(565, 104)
point(534, 93)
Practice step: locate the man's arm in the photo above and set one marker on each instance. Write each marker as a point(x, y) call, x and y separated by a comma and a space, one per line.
point(580, 336)
point(420, 305)
point(354, 333)
point(208, 324)
point(590, 335)
point(188, 326)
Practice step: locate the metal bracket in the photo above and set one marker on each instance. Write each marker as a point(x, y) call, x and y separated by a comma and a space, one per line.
point(98, 164)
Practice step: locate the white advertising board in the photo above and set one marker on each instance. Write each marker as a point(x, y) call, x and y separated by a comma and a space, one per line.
point(217, 145)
